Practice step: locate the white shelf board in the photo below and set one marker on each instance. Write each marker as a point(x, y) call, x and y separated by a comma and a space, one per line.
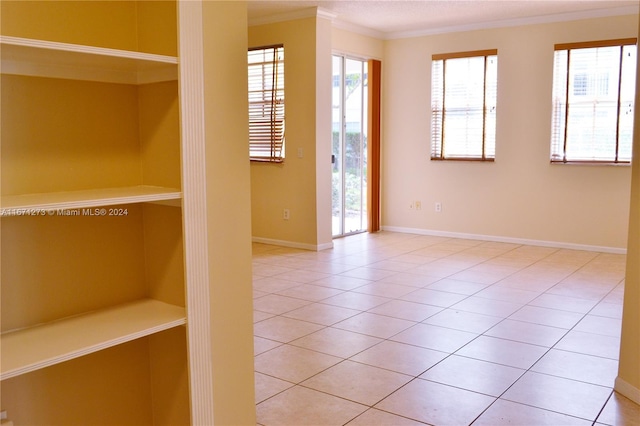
point(48, 344)
point(40, 58)
point(50, 203)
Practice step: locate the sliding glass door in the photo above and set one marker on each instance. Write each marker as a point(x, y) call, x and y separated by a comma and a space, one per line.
point(349, 157)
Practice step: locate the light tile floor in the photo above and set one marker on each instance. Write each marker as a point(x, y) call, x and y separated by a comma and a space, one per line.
point(401, 329)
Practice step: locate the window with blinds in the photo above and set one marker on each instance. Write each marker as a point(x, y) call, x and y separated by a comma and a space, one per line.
point(464, 90)
point(593, 101)
point(266, 104)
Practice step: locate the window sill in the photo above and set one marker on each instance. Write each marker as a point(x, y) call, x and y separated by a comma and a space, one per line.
point(267, 160)
point(590, 163)
point(482, 160)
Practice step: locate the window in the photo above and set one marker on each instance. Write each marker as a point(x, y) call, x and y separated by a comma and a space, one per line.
point(463, 105)
point(593, 97)
point(266, 104)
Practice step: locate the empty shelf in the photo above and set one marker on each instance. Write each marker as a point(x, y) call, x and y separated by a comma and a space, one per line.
point(44, 345)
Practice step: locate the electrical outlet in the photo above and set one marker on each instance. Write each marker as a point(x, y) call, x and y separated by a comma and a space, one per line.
point(418, 205)
point(438, 207)
point(286, 214)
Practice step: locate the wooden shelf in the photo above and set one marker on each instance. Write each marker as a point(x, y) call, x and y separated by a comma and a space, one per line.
point(40, 58)
point(44, 345)
point(50, 203)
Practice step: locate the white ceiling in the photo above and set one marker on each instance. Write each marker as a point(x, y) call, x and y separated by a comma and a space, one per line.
point(398, 18)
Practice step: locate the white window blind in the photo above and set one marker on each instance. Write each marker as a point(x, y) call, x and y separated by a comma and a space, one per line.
point(593, 102)
point(266, 104)
point(463, 105)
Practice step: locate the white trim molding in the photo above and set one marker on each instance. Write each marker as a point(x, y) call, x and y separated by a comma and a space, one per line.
point(627, 390)
point(499, 239)
point(545, 19)
point(293, 244)
point(309, 12)
point(319, 12)
point(194, 211)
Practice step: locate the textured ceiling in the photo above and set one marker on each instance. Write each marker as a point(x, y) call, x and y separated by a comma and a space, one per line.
point(392, 17)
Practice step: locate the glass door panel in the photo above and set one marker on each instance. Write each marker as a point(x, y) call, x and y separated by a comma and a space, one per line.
point(337, 181)
point(349, 145)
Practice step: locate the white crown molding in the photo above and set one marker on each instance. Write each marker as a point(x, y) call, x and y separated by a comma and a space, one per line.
point(546, 19)
point(310, 12)
point(358, 29)
point(321, 13)
point(499, 239)
point(325, 14)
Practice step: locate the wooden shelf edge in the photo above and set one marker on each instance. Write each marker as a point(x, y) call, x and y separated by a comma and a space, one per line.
point(51, 203)
point(41, 346)
point(41, 58)
point(87, 50)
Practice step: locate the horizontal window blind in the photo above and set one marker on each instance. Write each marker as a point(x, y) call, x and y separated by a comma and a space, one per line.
point(463, 105)
point(266, 104)
point(593, 102)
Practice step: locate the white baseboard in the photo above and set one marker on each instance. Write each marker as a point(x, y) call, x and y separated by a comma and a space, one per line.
point(555, 244)
point(625, 389)
point(293, 244)
point(435, 233)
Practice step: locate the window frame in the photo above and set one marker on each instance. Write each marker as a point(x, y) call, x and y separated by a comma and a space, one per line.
point(267, 129)
point(438, 115)
point(561, 108)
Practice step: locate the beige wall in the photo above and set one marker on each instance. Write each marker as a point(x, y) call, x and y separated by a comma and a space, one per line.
point(358, 45)
point(229, 211)
point(293, 184)
point(520, 195)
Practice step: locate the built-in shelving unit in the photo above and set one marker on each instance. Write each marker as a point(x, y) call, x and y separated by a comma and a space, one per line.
point(91, 210)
